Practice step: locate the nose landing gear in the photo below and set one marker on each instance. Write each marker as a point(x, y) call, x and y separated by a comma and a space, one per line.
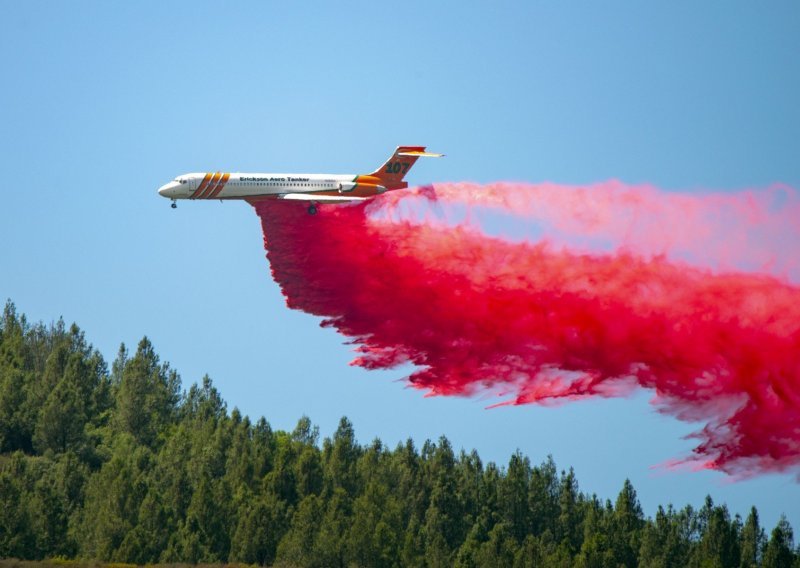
point(174, 205)
point(312, 209)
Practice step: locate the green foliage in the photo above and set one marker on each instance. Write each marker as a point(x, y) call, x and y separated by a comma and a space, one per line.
point(753, 541)
point(120, 466)
point(17, 538)
point(147, 396)
point(779, 548)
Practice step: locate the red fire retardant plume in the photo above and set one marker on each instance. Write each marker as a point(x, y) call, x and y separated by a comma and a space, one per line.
point(542, 293)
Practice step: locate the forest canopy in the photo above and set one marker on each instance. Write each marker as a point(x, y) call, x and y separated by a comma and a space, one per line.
point(121, 464)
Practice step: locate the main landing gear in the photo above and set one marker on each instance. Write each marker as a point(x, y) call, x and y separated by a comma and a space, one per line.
point(312, 209)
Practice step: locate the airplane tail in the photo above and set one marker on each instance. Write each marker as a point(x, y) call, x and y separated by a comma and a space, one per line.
point(391, 173)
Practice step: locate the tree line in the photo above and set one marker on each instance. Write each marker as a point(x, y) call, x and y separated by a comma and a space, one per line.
point(122, 465)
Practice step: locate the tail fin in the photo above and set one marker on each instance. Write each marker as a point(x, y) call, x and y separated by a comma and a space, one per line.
point(391, 173)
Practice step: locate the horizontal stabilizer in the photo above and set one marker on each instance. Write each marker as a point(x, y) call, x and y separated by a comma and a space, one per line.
point(419, 154)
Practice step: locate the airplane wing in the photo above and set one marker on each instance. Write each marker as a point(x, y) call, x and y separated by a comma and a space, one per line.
point(319, 198)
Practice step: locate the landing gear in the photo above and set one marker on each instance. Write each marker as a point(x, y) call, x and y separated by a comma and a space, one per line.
point(174, 205)
point(312, 209)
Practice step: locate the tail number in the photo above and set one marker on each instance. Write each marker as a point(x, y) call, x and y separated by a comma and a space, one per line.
point(395, 167)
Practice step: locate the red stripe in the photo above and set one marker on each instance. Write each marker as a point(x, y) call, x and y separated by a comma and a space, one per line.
point(202, 186)
point(212, 186)
point(222, 183)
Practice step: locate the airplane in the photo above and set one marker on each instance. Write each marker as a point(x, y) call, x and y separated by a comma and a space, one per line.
point(311, 188)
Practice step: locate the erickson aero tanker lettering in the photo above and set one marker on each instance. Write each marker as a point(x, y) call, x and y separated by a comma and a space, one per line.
point(312, 188)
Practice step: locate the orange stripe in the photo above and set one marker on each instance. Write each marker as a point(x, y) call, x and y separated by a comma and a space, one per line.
point(222, 183)
point(368, 179)
point(201, 187)
point(211, 186)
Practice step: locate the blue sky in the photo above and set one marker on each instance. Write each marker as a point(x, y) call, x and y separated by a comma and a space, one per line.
point(103, 102)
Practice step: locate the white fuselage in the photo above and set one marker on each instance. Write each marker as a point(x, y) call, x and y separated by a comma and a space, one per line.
point(247, 185)
point(312, 188)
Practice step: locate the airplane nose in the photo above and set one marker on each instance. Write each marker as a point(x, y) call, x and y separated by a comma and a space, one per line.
point(168, 189)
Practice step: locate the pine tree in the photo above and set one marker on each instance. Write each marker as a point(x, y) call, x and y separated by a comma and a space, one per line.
point(374, 537)
point(332, 546)
point(17, 540)
point(61, 422)
point(16, 419)
point(753, 541)
point(339, 459)
point(779, 551)
point(718, 544)
point(444, 526)
point(260, 527)
point(569, 527)
point(500, 548)
point(147, 395)
point(121, 468)
point(543, 497)
point(514, 492)
point(297, 545)
point(113, 498)
point(626, 525)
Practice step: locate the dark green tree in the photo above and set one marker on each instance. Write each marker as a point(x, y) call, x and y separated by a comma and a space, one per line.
point(625, 526)
point(374, 537)
point(113, 498)
point(297, 547)
point(469, 553)
point(665, 541)
point(340, 456)
point(17, 539)
point(61, 421)
point(147, 396)
point(331, 546)
point(543, 498)
point(569, 529)
point(472, 487)
point(16, 416)
point(530, 554)
point(597, 548)
point(500, 548)
point(514, 495)
point(53, 495)
point(778, 552)
point(719, 541)
point(116, 466)
point(260, 527)
point(444, 526)
point(753, 541)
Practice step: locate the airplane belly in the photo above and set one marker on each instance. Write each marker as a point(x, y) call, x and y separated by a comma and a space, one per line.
point(244, 190)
